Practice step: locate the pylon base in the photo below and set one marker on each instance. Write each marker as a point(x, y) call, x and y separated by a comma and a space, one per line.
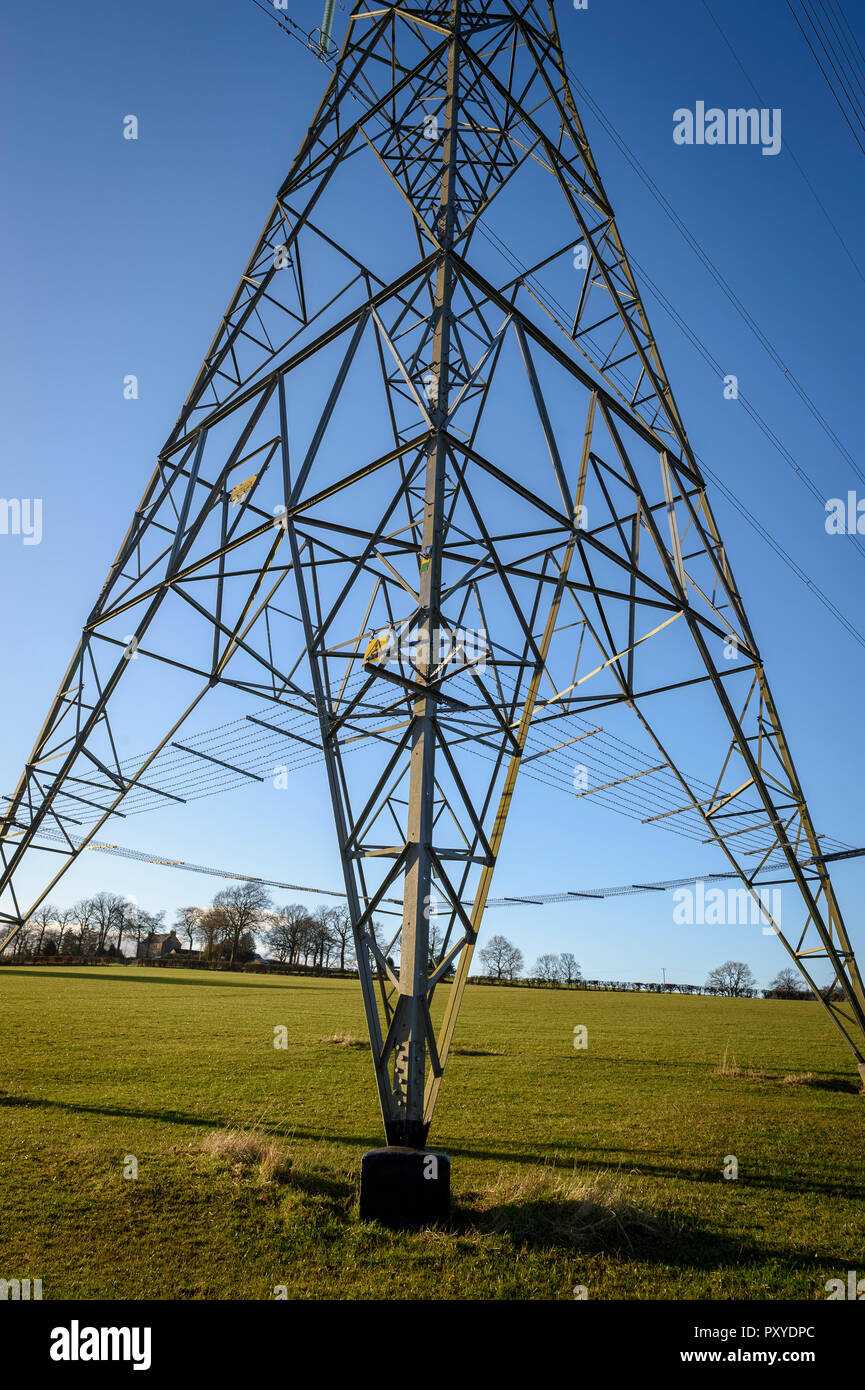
point(861, 1066)
point(405, 1188)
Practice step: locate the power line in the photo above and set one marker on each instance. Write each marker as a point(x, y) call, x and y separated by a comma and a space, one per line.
point(860, 62)
point(827, 79)
point(545, 294)
point(716, 275)
point(808, 182)
point(839, 43)
point(611, 761)
point(543, 899)
point(831, 53)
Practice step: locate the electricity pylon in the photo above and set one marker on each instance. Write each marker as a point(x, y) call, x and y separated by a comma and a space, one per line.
point(437, 503)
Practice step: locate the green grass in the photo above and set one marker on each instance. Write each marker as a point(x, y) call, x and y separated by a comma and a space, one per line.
point(599, 1168)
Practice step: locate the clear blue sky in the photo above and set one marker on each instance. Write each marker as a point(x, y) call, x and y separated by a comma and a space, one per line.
point(120, 256)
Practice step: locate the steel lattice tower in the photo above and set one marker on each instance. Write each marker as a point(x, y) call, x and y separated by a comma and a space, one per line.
point(452, 560)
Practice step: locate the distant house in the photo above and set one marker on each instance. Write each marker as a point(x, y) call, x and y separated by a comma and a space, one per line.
point(158, 944)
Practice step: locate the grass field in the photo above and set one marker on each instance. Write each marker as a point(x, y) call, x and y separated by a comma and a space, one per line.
point(600, 1168)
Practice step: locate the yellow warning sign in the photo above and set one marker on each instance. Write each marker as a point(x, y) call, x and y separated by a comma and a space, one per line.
point(376, 649)
point(238, 493)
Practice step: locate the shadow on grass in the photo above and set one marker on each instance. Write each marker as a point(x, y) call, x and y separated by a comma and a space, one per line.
point(590, 1225)
point(124, 1112)
point(671, 1238)
point(797, 1081)
point(542, 1207)
point(550, 1155)
point(474, 1052)
point(542, 1210)
point(822, 1083)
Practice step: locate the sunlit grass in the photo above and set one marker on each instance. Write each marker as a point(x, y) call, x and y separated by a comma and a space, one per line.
point(600, 1168)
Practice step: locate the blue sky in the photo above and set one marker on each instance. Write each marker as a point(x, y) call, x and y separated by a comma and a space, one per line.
point(120, 256)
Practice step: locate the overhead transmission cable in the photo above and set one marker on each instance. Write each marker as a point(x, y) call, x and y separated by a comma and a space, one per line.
point(545, 294)
point(818, 200)
point(857, 134)
point(860, 61)
point(723, 284)
point(540, 899)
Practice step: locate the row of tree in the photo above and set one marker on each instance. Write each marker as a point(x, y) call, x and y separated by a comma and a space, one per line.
point(96, 926)
point(231, 928)
point(502, 960)
point(243, 916)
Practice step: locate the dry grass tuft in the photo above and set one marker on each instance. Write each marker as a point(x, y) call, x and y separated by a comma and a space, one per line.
point(822, 1083)
point(346, 1040)
point(243, 1149)
point(819, 1083)
point(234, 1145)
point(729, 1067)
point(570, 1208)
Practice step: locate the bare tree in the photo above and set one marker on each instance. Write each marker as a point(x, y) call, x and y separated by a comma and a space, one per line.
point(43, 918)
point(340, 925)
point(277, 934)
point(501, 959)
point(23, 943)
point(107, 916)
point(244, 907)
point(436, 941)
point(570, 967)
point(787, 984)
point(128, 920)
point(322, 935)
point(65, 918)
point(84, 916)
point(549, 969)
point(144, 924)
point(288, 933)
point(187, 922)
point(734, 978)
point(210, 931)
point(301, 934)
